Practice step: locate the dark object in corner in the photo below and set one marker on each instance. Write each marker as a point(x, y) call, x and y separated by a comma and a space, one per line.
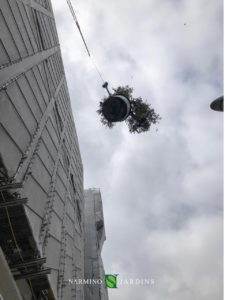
point(217, 104)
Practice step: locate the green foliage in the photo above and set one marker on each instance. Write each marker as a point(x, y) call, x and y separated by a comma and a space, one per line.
point(125, 91)
point(104, 121)
point(142, 115)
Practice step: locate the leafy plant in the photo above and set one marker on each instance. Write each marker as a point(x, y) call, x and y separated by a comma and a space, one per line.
point(104, 121)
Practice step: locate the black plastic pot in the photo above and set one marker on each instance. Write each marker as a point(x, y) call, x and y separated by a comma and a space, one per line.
point(116, 108)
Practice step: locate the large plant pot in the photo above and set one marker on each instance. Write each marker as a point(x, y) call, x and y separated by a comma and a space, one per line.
point(116, 108)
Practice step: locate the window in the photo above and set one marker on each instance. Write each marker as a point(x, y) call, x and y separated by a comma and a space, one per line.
point(73, 184)
point(58, 119)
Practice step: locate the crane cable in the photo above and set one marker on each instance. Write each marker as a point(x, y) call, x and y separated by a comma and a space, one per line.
point(78, 26)
point(81, 34)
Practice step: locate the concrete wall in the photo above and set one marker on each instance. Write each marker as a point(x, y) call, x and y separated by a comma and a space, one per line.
point(94, 239)
point(38, 140)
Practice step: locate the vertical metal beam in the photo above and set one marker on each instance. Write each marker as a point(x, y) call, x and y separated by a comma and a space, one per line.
point(61, 274)
point(45, 226)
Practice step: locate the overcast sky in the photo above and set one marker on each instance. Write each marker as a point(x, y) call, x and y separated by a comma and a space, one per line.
point(161, 190)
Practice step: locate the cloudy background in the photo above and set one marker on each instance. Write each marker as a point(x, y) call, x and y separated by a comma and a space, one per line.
point(161, 190)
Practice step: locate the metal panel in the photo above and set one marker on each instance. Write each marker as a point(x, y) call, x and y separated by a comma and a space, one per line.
point(15, 11)
point(52, 253)
point(41, 174)
point(19, 101)
point(4, 56)
point(10, 151)
point(38, 199)
point(58, 206)
point(20, 133)
point(35, 89)
point(11, 25)
point(55, 226)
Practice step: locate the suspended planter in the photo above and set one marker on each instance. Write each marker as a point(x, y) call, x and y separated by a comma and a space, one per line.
point(116, 108)
point(121, 106)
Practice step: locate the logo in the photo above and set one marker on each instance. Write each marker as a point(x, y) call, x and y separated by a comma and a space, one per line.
point(111, 281)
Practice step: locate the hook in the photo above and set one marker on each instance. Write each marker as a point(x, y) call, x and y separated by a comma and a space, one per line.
point(105, 86)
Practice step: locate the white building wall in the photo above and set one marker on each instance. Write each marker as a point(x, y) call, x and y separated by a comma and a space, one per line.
point(38, 141)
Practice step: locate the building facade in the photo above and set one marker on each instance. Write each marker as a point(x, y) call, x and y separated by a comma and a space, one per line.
point(94, 229)
point(41, 173)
